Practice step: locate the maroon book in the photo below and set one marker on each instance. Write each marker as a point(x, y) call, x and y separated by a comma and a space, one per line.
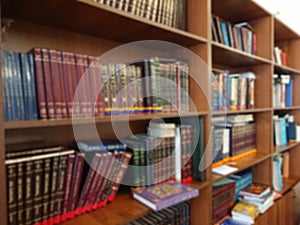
point(48, 83)
point(82, 90)
point(67, 187)
point(70, 80)
point(64, 110)
point(56, 84)
point(40, 85)
point(75, 185)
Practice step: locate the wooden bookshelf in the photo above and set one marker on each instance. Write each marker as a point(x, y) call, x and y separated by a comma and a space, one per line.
point(87, 27)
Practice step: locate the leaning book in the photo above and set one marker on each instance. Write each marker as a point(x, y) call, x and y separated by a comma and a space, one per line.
point(165, 194)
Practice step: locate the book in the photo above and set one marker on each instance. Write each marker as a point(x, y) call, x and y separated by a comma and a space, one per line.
point(224, 170)
point(245, 211)
point(163, 195)
point(255, 190)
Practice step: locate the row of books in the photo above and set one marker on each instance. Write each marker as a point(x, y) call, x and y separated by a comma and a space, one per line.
point(50, 185)
point(178, 214)
point(48, 83)
point(285, 129)
point(240, 36)
point(225, 193)
point(172, 13)
point(233, 91)
point(232, 136)
point(282, 90)
point(167, 152)
point(280, 56)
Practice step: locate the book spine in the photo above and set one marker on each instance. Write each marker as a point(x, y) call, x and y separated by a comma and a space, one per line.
point(6, 84)
point(76, 181)
point(67, 187)
point(60, 191)
point(20, 193)
point(63, 85)
point(48, 86)
point(32, 82)
point(55, 81)
point(12, 194)
point(53, 185)
point(25, 85)
point(46, 189)
point(38, 187)
point(28, 198)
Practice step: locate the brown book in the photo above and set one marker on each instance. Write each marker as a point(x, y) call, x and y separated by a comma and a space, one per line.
point(48, 83)
point(41, 95)
point(12, 194)
point(64, 109)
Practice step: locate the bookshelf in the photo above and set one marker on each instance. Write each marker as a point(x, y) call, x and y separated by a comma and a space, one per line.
point(80, 25)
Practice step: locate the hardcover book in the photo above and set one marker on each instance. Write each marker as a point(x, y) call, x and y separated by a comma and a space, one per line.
point(163, 195)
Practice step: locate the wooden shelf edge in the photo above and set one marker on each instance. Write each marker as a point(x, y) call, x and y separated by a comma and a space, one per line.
point(289, 183)
point(287, 69)
point(232, 112)
point(242, 164)
point(287, 108)
point(241, 53)
point(103, 119)
point(280, 149)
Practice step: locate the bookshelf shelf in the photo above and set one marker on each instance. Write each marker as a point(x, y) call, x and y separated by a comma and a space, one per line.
point(91, 18)
point(286, 69)
point(243, 163)
point(104, 119)
point(287, 108)
point(288, 184)
point(224, 55)
point(233, 112)
point(121, 211)
point(280, 149)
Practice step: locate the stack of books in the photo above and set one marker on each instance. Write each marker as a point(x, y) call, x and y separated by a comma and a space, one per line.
point(245, 212)
point(257, 194)
point(223, 198)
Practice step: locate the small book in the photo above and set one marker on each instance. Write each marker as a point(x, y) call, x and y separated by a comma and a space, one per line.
point(255, 190)
point(224, 170)
point(165, 194)
point(244, 211)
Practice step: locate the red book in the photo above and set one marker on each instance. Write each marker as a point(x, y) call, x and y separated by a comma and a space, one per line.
point(64, 107)
point(75, 185)
point(56, 75)
point(283, 58)
point(70, 81)
point(125, 159)
point(48, 83)
point(67, 187)
point(41, 95)
point(83, 87)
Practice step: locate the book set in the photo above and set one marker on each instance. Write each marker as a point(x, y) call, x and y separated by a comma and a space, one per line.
point(241, 134)
point(95, 90)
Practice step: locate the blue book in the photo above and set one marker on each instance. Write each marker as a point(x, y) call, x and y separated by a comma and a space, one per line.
point(32, 82)
point(231, 221)
point(11, 87)
point(96, 145)
point(5, 84)
point(289, 94)
point(25, 84)
point(227, 100)
point(225, 34)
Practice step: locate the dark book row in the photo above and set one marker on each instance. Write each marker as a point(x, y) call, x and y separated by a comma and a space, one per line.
point(225, 193)
point(240, 36)
point(51, 185)
point(167, 156)
point(172, 13)
point(233, 91)
point(178, 214)
point(233, 138)
point(53, 84)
